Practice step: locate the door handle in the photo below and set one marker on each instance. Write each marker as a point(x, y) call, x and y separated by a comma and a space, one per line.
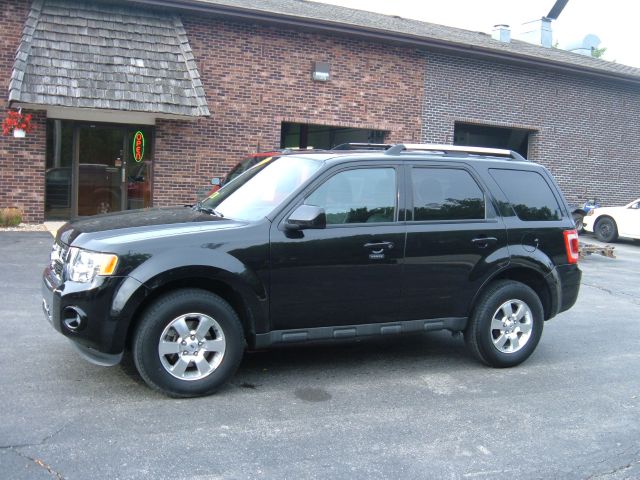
point(379, 246)
point(483, 242)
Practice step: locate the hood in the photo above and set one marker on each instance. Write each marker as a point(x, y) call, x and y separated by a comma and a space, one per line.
point(601, 210)
point(122, 223)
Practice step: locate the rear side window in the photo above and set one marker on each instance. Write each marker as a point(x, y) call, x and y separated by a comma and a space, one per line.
point(446, 194)
point(529, 194)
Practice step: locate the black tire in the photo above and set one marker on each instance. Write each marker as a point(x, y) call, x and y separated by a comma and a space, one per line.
point(578, 220)
point(606, 230)
point(187, 305)
point(480, 337)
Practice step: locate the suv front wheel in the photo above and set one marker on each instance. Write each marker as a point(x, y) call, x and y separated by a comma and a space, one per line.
point(188, 343)
point(506, 324)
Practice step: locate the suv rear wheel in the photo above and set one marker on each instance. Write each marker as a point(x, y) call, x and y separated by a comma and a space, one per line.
point(188, 343)
point(506, 324)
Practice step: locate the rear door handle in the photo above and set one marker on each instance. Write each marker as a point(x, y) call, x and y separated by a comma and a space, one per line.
point(483, 242)
point(378, 247)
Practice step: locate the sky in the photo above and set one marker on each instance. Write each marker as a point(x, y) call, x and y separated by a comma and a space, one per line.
point(615, 22)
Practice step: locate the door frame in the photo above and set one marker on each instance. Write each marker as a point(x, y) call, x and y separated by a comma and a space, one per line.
point(129, 130)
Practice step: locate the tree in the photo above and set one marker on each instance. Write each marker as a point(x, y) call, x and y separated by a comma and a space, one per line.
point(598, 52)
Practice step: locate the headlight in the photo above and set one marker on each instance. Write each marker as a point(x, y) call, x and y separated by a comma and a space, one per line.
point(85, 265)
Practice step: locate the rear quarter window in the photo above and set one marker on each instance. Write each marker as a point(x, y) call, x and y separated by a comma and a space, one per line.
point(529, 194)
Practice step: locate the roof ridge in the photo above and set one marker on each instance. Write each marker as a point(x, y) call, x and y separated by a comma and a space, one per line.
point(192, 68)
point(24, 49)
point(443, 38)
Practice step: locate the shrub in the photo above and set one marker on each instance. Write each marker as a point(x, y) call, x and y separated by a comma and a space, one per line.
point(10, 217)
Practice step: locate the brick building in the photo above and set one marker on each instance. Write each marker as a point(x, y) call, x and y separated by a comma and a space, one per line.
point(139, 103)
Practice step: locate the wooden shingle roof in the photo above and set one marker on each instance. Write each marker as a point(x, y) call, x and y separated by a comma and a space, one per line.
point(90, 54)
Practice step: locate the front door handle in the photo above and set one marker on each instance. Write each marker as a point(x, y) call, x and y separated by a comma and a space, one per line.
point(378, 247)
point(483, 242)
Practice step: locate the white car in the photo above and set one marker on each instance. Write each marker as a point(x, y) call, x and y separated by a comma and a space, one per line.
point(608, 223)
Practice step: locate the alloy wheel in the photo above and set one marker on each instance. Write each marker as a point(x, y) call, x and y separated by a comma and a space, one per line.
point(511, 326)
point(192, 346)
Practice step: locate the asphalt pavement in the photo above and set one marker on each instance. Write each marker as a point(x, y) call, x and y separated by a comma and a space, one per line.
point(412, 407)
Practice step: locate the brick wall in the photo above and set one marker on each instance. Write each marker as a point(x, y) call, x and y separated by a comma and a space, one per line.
point(22, 160)
point(256, 77)
point(585, 131)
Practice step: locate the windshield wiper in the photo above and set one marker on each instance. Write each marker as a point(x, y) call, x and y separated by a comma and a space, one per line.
point(201, 208)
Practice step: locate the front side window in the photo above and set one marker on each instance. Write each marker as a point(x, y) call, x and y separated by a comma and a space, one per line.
point(361, 195)
point(446, 194)
point(529, 194)
point(259, 190)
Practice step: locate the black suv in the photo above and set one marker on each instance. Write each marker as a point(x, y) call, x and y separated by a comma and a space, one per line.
point(314, 247)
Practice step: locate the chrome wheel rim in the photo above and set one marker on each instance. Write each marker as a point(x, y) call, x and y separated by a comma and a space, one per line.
point(192, 346)
point(511, 326)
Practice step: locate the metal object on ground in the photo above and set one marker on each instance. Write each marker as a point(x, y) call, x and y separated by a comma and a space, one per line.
point(589, 248)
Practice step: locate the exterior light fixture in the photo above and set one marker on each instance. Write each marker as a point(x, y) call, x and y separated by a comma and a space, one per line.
point(321, 72)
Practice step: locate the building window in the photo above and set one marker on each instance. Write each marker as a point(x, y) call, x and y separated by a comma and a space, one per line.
point(471, 135)
point(305, 136)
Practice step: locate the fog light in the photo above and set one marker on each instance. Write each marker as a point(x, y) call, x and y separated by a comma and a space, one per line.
point(73, 318)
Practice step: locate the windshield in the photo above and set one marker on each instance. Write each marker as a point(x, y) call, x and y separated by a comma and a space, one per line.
point(259, 190)
point(245, 165)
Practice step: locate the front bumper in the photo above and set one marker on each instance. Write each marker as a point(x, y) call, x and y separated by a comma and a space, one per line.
point(83, 313)
point(587, 223)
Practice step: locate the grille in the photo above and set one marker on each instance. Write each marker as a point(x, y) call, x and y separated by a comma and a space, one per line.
point(59, 254)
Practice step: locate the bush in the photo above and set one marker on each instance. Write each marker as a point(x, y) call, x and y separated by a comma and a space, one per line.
point(10, 217)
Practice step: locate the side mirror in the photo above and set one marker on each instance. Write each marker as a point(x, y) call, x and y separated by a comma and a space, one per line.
point(216, 181)
point(306, 217)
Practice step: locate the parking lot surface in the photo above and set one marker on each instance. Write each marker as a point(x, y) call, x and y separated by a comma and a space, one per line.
point(410, 407)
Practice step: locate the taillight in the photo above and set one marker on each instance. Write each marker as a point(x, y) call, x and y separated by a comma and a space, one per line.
point(572, 245)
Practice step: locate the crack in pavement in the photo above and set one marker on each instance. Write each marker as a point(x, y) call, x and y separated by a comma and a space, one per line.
point(616, 470)
point(40, 463)
point(628, 296)
point(57, 475)
point(36, 444)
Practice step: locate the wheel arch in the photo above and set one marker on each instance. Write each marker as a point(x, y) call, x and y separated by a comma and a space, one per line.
point(603, 216)
point(250, 309)
point(534, 279)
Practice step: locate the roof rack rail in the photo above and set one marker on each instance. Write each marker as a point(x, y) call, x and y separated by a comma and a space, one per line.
point(362, 146)
point(433, 147)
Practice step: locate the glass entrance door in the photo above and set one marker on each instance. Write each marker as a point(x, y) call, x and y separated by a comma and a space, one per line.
point(101, 170)
point(96, 168)
point(138, 169)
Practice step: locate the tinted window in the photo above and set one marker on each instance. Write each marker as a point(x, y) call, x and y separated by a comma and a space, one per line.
point(446, 194)
point(529, 194)
point(362, 195)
